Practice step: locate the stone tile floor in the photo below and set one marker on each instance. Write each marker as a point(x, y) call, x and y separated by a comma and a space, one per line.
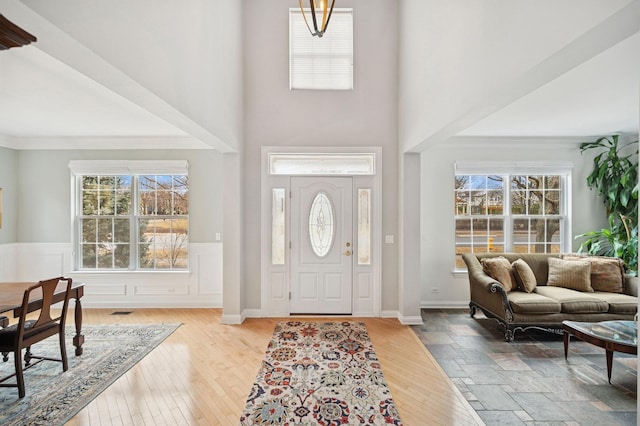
point(528, 381)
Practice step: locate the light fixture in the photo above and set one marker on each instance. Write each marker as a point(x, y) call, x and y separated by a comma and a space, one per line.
point(12, 35)
point(319, 13)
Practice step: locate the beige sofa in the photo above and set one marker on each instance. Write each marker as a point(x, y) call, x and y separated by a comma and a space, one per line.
point(545, 306)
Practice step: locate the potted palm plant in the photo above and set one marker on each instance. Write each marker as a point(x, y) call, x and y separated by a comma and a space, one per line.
point(615, 178)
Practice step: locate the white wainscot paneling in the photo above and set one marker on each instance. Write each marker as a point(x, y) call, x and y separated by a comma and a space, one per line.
point(206, 263)
point(8, 262)
point(199, 287)
point(38, 261)
point(150, 289)
point(97, 289)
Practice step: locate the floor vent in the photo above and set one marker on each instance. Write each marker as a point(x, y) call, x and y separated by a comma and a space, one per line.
point(121, 312)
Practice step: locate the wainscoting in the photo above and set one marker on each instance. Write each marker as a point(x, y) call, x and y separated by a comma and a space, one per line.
point(201, 286)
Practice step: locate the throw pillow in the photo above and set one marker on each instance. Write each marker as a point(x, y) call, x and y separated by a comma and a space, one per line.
point(607, 273)
point(572, 274)
point(524, 276)
point(499, 269)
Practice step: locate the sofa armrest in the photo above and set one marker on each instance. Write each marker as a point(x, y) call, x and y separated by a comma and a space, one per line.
point(631, 285)
point(486, 292)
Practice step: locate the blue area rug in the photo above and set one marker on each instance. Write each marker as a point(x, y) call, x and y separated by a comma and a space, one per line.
point(53, 397)
point(320, 373)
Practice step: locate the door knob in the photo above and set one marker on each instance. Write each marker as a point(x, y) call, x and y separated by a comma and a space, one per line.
point(347, 253)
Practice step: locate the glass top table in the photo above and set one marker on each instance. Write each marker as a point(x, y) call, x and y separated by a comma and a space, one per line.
point(613, 336)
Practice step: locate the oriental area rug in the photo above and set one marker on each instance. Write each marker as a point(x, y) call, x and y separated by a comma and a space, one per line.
point(320, 373)
point(53, 397)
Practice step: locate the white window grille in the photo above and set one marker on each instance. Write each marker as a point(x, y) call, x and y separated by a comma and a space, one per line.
point(521, 208)
point(131, 215)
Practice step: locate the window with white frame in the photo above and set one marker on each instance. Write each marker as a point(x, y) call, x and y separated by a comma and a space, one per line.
point(131, 215)
point(521, 209)
point(324, 63)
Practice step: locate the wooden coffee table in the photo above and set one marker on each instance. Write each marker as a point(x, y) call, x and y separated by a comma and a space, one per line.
point(613, 336)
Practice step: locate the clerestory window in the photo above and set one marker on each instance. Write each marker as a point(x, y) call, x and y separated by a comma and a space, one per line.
point(321, 63)
point(512, 209)
point(134, 217)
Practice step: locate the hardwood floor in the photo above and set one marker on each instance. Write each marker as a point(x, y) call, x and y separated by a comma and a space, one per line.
point(202, 374)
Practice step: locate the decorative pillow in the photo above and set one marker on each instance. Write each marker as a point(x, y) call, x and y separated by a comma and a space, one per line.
point(607, 273)
point(524, 276)
point(572, 274)
point(499, 269)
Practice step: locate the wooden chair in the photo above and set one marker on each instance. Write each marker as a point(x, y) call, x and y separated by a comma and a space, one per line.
point(26, 332)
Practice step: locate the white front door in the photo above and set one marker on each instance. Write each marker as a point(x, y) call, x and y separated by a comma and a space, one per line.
point(321, 245)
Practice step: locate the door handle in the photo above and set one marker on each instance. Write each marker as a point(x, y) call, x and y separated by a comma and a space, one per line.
point(347, 253)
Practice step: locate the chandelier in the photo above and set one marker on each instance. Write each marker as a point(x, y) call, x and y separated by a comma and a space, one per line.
point(318, 13)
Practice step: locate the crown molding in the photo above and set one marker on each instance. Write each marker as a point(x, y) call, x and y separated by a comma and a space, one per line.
point(100, 142)
point(511, 142)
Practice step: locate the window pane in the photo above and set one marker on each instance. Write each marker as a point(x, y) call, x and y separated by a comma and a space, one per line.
point(105, 256)
point(364, 226)
point(277, 226)
point(495, 239)
point(180, 195)
point(121, 256)
point(105, 230)
point(121, 230)
point(163, 243)
point(89, 256)
point(552, 202)
point(123, 196)
point(495, 202)
point(89, 233)
point(321, 224)
point(321, 62)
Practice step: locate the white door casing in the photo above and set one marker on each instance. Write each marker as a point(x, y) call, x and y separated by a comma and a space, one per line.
point(321, 245)
point(281, 164)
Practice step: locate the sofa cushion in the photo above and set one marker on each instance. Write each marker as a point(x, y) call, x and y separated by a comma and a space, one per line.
point(499, 268)
point(523, 275)
point(533, 303)
point(607, 273)
point(570, 274)
point(619, 303)
point(574, 302)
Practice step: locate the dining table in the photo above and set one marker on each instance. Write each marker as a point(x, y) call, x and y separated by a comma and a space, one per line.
point(12, 293)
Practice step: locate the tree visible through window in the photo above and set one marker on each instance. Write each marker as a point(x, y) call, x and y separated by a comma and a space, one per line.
point(133, 222)
point(508, 213)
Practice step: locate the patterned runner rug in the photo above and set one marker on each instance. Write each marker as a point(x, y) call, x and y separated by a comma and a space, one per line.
point(53, 397)
point(320, 373)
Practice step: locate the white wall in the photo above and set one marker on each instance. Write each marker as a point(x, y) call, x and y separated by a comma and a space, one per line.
point(43, 245)
point(437, 219)
point(8, 183)
point(277, 116)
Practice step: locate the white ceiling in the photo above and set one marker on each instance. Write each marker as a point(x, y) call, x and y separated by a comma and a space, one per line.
point(42, 98)
point(601, 96)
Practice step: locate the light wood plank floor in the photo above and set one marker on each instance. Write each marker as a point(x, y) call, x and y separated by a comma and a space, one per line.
point(202, 374)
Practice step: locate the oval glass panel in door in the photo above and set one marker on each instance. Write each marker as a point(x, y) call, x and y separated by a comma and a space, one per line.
point(321, 224)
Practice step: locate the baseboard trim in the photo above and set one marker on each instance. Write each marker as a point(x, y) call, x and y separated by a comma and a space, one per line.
point(231, 319)
point(410, 320)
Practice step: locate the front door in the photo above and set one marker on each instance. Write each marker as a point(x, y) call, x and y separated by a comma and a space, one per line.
point(321, 245)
